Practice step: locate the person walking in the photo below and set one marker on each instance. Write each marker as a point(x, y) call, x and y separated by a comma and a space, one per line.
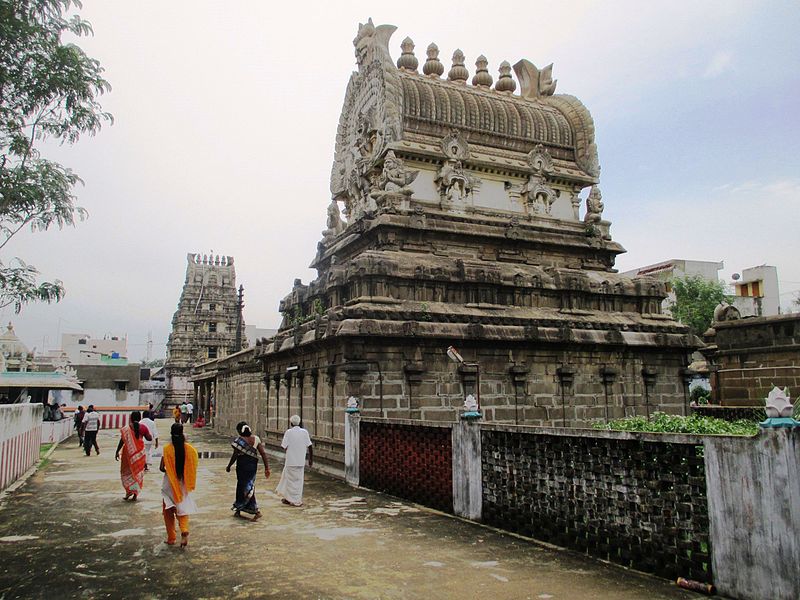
point(91, 425)
point(246, 450)
point(179, 465)
point(190, 412)
point(176, 414)
point(149, 445)
point(184, 412)
point(296, 442)
point(132, 465)
point(79, 426)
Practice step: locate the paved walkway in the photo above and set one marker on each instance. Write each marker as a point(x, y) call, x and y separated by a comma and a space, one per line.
point(67, 533)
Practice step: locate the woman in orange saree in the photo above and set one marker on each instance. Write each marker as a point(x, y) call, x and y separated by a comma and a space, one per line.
point(134, 457)
point(179, 465)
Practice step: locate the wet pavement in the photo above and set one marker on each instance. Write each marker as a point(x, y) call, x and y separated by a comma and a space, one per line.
point(67, 533)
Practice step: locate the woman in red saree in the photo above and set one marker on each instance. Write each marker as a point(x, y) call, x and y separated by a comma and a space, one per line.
point(134, 457)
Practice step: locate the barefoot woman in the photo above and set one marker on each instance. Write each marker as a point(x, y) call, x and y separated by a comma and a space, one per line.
point(179, 465)
point(246, 449)
point(134, 456)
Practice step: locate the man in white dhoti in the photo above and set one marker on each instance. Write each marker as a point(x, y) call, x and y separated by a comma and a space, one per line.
point(147, 421)
point(296, 442)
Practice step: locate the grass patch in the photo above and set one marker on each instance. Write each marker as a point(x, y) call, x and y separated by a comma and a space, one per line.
point(43, 449)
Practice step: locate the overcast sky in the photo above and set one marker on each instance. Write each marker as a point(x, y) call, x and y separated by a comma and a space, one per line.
point(226, 114)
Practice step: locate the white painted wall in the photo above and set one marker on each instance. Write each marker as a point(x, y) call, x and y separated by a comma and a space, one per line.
point(20, 437)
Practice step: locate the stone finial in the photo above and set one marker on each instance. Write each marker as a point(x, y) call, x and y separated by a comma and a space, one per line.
point(505, 83)
point(778, 403)
point(482, 76)
point(458, 72)
point(433, 65)
point(407, 59)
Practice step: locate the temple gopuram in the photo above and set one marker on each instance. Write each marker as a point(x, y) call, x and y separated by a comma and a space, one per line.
point(206, 325)
point(464, 213)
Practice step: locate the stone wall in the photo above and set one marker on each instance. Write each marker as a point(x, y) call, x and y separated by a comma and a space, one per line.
point(718, 509)
point(750, 356)
point(638, 503)
point(754, 504)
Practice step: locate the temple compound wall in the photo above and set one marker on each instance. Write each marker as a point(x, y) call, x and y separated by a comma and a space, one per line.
point(467, 216)
point(748, 356)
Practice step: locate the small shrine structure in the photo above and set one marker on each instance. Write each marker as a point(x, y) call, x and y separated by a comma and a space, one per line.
point(467, 213)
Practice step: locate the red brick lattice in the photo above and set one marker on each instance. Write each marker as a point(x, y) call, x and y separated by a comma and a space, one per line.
point(411, 462)
point(640, 504)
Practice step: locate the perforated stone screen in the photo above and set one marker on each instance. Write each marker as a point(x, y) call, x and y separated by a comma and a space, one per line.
point(408, 461)
point(640, 504)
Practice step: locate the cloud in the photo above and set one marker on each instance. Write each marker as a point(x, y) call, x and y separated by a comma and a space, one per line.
point(721, 62)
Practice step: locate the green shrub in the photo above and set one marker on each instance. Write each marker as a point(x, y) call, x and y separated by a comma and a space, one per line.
point(700, 395)
point(664, 423)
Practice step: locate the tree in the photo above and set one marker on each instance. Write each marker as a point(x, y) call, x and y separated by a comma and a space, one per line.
point(48, 90)
point(695, 300)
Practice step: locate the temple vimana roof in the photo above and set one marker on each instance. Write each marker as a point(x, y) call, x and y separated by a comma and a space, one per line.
point(466, 205)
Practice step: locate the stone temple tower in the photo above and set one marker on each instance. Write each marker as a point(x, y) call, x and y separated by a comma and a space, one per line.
point(473, 218)
point(205, 325)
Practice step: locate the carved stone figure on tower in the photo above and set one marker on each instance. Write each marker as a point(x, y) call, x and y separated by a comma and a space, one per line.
point(334, 223)
point(394, 180)
point(453, 182)
point(594, 206)
point(537, 197)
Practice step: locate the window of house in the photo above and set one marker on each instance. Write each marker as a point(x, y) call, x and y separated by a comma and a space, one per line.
point(212, 327)
point(122, 386)
point(212, 352)
point(82, 342)
point(756, 287)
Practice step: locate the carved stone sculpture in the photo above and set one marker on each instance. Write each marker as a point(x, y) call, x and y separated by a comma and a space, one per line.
point(335, 224)
point(453, 183)
point(594, 206)
point(540, 160)
point(394, 178)
point(454, 146)
point(533, 82)
point(537, 196)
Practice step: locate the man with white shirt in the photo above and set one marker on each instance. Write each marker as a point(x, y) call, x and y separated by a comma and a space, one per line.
point(296, 442)
point(91, 423)
point(190, 412)
point(148, 422)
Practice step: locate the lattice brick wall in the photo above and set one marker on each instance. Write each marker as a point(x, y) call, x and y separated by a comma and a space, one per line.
point(640, 504)
point(408, 461)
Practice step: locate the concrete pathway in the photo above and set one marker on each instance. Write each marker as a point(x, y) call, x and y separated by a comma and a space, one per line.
point(67, 533)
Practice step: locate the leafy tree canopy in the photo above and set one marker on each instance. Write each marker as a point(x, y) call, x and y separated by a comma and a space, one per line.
point(48, 89)
point(695, 300)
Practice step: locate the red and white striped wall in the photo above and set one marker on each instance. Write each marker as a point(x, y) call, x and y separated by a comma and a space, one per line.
point(114, 420)
point(110, 417)
point(20, 437)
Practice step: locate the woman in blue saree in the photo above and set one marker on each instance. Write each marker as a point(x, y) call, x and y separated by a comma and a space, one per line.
point(246, 450)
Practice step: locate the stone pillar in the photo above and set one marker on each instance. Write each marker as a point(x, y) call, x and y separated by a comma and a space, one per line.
point(649, 375)
point(351, 447)
point(566, 377)
point(467, 478)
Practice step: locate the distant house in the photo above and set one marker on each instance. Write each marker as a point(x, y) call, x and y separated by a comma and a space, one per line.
point(102, 368)
point(757, 292)
point(668, 270)
point(755, 289)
